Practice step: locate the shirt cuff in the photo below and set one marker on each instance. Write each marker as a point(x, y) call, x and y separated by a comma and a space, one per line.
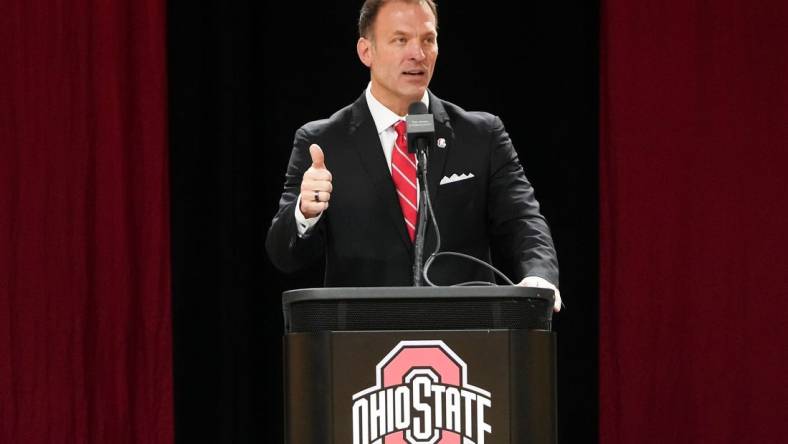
point(304, 225)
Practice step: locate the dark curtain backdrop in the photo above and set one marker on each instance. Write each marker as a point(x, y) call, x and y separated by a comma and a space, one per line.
point(694, 213)
point(244, 75)
point(85, 320)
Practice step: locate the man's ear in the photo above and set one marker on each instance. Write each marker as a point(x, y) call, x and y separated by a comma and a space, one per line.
point(364, 50)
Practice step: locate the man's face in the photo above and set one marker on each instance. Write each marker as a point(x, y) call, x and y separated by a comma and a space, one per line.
point(401, 53)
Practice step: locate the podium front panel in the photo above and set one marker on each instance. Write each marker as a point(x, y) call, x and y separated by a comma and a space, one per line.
point(419, 387)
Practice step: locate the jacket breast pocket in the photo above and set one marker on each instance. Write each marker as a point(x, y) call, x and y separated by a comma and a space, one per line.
point(462, 197)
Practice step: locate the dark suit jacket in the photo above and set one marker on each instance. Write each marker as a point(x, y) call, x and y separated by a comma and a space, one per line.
point(362, 235)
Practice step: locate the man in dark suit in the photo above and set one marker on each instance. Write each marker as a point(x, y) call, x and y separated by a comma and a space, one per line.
point(355, 163)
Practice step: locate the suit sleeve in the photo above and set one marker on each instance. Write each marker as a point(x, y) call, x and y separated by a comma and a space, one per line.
point(287, 250)
point(520, 234)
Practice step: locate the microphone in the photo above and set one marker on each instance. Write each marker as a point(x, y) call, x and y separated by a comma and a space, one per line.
point(421, 133)
point(421, 128)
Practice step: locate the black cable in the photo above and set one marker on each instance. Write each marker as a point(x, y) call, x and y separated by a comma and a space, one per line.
point(474, 283)
point(435, 254)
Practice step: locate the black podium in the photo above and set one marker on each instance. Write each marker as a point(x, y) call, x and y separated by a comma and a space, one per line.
point(419, 365)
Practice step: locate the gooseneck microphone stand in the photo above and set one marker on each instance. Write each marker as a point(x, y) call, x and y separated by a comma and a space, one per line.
point(421, 225)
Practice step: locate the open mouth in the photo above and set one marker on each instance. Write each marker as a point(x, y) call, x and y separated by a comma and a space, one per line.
point(414, 72)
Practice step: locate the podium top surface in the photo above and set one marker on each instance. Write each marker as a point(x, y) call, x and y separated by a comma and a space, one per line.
point(417, 308)
point(355, 293)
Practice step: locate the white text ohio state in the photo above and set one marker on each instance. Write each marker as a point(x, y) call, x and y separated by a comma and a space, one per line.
point(421, 409)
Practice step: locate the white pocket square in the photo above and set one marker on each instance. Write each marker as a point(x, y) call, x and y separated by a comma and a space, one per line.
point(456, 178)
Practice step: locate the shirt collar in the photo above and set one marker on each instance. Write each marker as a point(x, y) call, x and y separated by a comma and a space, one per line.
point(384, 117)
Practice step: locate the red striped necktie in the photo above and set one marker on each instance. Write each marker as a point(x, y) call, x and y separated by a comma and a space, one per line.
point(403, 171)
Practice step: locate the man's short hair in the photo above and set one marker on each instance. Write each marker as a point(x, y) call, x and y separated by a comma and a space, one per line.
point(370, 9)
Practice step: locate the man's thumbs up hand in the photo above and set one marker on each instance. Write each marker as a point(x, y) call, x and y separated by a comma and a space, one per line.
point(316, 185)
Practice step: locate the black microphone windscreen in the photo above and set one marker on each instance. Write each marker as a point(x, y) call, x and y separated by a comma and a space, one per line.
point(421, 127)
point(417, 108)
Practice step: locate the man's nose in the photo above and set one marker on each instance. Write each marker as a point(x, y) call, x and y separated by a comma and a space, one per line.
point(416, 52)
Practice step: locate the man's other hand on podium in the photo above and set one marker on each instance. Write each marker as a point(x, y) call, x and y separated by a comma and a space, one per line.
point(537, 282)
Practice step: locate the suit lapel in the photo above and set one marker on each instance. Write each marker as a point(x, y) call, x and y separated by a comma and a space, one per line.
point(364, 136)
point(436, 161)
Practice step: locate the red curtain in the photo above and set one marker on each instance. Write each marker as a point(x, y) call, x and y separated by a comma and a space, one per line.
point(694, 221)
point(85, 329)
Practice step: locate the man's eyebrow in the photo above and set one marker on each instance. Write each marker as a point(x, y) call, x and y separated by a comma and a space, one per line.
point(398, 33)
